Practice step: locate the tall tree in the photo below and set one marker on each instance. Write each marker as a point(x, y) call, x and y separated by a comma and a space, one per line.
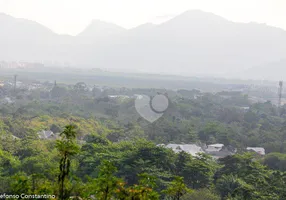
point(67, 148)
point(177, 189)
point(106, 184)
point(198, 171)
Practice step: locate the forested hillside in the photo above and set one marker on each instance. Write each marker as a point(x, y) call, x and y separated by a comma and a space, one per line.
point(100, 147)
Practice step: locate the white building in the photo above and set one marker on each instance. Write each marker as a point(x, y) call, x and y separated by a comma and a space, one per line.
point(192, 149)
point(46, 134)
point(214, 147)
point(259, 150)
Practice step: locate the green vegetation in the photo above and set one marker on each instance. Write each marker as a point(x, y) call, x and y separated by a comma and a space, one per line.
point(105, 150)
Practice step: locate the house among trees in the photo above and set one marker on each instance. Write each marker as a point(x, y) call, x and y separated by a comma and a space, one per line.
point(220, 151)
point(15, 137)
point(214, 150)
point(214, 147)
point(46, 134)
point(192, 149)
point(258, 150)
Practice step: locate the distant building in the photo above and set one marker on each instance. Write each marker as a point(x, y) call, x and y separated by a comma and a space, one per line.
point(192, 149)
point(215, 150)
point(214, 147)
point(6, 100)
point(118, 96)
point(20, 65)
point(197, 96)
point(46, 135)
point(15, 137)
point(259, 150)
point(245, 108)
point(220, 151)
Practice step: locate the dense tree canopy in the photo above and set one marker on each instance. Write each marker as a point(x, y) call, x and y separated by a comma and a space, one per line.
point(102, 148)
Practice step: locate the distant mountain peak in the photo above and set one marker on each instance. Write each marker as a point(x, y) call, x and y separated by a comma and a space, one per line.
point(196, 11)
point(195, 42)
point(99, 28)
point(4, 16)
point(200, 13)
point(197, 16)
point(13, 28)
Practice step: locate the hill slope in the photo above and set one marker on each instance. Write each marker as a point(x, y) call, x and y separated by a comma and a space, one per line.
point(192, 43)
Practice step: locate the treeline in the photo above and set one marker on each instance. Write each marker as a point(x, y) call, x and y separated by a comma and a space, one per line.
point(110, 152)
point(97, 168)
point(192, 116)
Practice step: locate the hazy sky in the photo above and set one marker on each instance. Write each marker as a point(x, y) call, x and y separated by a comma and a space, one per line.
point(72, 16)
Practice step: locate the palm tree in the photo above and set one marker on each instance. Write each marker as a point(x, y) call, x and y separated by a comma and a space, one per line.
point(67, 148)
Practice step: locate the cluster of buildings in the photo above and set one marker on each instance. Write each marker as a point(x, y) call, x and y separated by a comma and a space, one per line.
point(215, 150)
point(19, 65)
point(21, 85)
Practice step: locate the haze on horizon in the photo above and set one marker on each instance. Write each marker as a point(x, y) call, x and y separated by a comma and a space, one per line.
point(197, 38)
point(72, 16)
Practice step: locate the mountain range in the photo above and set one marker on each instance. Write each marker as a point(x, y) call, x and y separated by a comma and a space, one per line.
point(192, 43)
